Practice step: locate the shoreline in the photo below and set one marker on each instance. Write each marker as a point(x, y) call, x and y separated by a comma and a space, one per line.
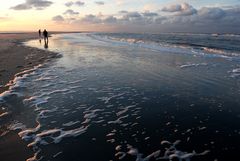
point(15, 57)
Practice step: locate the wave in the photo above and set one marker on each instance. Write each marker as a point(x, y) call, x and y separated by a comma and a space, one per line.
point(193, 65)
point(17, 83)
point(221, 52)
point(156, 45)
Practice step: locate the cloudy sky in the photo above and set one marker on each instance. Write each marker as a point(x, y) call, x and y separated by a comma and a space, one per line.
point(202, 16)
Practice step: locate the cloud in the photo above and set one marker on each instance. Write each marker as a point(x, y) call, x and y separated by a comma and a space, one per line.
point(212, 13)
point(123, 12)
point(77, 3)
point(133, 14)
point(149, 14)
point(69, 4)
point(160, 20)
point(180, 9)
point(91, 19)
point(110, 20)
point(100, 3)
point(58, 18)
point(29, 4)
point(21, 7)
point(70, 12)
point(178, 18)
point(207, 19)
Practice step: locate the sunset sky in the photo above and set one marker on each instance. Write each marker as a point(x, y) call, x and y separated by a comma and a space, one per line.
point(202, 16)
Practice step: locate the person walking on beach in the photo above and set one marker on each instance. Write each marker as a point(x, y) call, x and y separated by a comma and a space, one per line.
point(40, 33)
point(45, 36)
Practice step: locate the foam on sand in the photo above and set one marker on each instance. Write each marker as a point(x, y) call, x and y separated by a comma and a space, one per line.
point(18, 82)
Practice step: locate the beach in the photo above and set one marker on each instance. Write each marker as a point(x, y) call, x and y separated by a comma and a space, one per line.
point(15, 58)
point(121, 96)
point(120, 80)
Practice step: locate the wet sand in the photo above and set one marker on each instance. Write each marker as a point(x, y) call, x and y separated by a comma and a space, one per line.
point(14, 58)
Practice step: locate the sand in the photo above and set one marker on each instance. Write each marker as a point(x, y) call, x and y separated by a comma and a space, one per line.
point(14, 58)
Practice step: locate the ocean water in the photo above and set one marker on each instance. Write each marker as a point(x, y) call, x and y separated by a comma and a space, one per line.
point(129, 97)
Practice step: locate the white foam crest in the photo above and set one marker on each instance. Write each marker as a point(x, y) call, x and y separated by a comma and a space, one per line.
point(25, 133)
point(16, 126)
point(29, 70)
point(18, 82)
point(193, 65)
point(125, 109)
point(110, 134)
point(218, 51)
point(34, 157)
point(90, 114)
point(170, 153)
point(36, 102)
point(57, 154)
point(163, 47)
point(58, 91)
point(120, 155)
point(46, 78)
point(55, 134)
point(43, 97)
point(139, 157)
point(4, 114)
point(118, 121)
point(48, 85)
point(147, 45)
point(48, 132)
point(71, 133)
point(235, 73)
point(71, 123)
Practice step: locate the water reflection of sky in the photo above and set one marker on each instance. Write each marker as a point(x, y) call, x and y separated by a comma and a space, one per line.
point(117, 96)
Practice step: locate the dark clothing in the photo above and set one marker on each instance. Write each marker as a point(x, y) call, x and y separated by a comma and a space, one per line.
point(45, 34)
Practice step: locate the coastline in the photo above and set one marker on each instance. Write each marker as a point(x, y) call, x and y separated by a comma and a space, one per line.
point(15, 58)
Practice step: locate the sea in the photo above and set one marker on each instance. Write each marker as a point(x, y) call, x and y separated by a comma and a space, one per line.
point(129, 97)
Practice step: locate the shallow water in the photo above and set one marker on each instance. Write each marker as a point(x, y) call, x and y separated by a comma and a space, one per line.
point(108, 100)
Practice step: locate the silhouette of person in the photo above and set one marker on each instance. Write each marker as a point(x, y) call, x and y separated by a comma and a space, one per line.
point(40, 36)
point(40, 33)
point(45, 36)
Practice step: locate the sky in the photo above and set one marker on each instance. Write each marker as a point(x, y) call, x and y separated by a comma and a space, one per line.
point(155, 16)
